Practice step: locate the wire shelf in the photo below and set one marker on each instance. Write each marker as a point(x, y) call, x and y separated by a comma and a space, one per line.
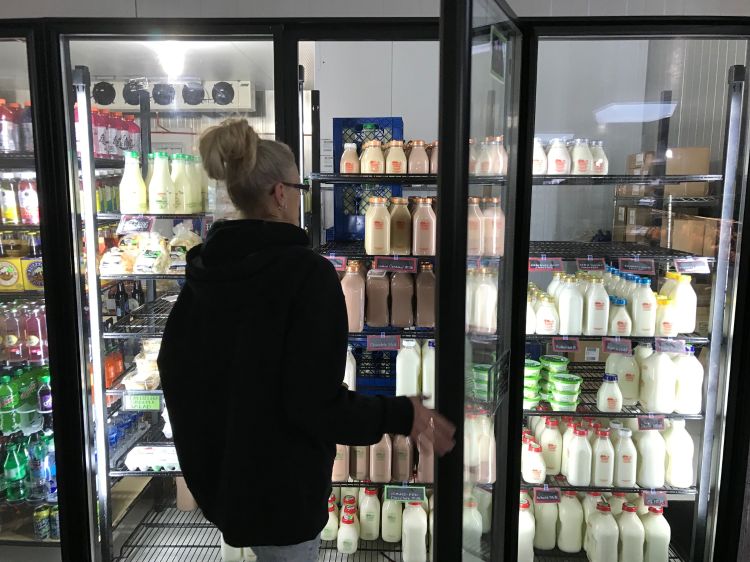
point(561, 482)
point(117, 216)
point(355, 249)
point(592, 376)
point(368, 551)
point(654, 181)
point(142, 276)
point(606, 250)
point(692, 339)
point(413, 332)
point(557, 555)
point(376, 179)
point(675, 201)
point(146, 321)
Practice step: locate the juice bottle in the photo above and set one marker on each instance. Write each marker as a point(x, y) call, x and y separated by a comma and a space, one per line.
point(28, 201)
point(9, 202)
point(133, 192)
point(15, 336)
point(35, 349)
point(161, 190)
point(377, 227)
point(8, 130)
point(15, 109)
point(400, 227)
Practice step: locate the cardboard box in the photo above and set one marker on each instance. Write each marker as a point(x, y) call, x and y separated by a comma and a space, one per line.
point(640, 164)
point(684, 161)
point(620, 222)
point(687, 235)
point(638, 223)
point(588, 352)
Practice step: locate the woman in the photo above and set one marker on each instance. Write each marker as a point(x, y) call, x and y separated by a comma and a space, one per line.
point(253, 358)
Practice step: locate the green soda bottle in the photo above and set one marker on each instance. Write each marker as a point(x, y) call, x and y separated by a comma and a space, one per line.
point(9, 418)
point(14, 471)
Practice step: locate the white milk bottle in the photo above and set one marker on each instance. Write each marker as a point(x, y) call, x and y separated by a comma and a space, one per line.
point(658, 535)
point(545, 515)
point(349, 163)
point(616, 502)
point(341, 464)
point(350, 372)
point(551, 442)
point(539, 162)
point(620, 323)
point(680, 450)
point(604, 535)
point(494, 227)
point(632, 535)
point(626, 460)
point(641, 352)
point(628, 379)
point(391, 518)
point(570, 523)
point(547, 319)
point(347, 541)
point(589, 505)
point(471, 287)
point(539, 428)
point(133, 193)
point(658, 383)
point(428, 373)
point(689, 387)
point(332, 526)
point(604, 460)
point(570, 309)
point(474, 229)
point(377, 227)
point(403, 459)
point(487, 452)
point(667, 318)
point(161, 187)
point(686, 303)
point(230, 553)
point(614, 432)
point(369, 516)
point(558, 158)
point(670, 282)
point(472, 525)
point(183, 191)
point(414, 533)
point(583, 160)
point(652, 455)
point(644, 309)
point(556, 280)
point(408, 365)
point(601, 162)
point(526, 532)
point(631, 286)
point(484, 317)
point(530, 315)
point(579, 459)
point(597, 309)
point(380, 460)
point(566, 440)
point(535, 471)
point(609, 395)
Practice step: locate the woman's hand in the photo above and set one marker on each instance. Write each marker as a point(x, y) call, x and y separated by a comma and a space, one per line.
point(425, 419)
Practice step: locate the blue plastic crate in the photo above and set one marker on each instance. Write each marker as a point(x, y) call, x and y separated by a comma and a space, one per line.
point(353, 129)
point(350, 204)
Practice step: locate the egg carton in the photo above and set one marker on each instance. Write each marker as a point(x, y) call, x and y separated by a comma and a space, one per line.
point(152, 459)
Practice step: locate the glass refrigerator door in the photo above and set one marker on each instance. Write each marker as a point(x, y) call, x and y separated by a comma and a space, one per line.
point(631, 278)
point(29, 516)
point(138, 109)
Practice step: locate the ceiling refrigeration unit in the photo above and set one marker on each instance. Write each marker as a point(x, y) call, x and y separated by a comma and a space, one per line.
point(219, 95)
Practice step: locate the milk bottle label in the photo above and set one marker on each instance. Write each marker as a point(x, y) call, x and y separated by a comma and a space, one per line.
point(395, 264)
point(638, 266)
point(561, 165)
point(545, 264)
point(617, 345)
point(405, 494)
point(668, 345)
point(383, 342)
point(651, 422)
point(546, 495)
point(591, 264)
point(654, 499)
point(565, 344)
point(692, 265)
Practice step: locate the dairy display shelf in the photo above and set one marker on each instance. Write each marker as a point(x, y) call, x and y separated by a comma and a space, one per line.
point(355, 249)
point(368, 484)
point(368, 551)
point(117, 216)
point(557, 555)
point(6, 296)
point(377, 179)
point(654, 181)
point(691, 339)
point(141, 276)
point(561, 482)
point(152, 436)
point(592, 377)
point(19, 227)
point(408, 333)
point(675, 200)
point(26, 161)
point(606, 250)
point(146, 321)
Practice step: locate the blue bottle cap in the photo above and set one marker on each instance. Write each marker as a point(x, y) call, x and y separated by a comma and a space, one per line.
point(610, 377)
point(644, 281)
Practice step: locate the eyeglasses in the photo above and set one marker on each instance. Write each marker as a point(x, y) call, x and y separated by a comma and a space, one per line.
point(300, 186)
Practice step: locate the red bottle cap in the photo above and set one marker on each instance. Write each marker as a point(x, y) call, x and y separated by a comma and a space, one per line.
point(602, 432)
point(570, 493)
point(416, 503)
point(350, 510)
point(595, 494)
point(630, 508)
point(581, 432)
point(524, 504)
point(656, 509)
point(603, 507)
point(619, 494)
point(551, 422)
point(347, 520)
point(535, 448)
point(350, 500)
point(331, 508)
point(371, 491)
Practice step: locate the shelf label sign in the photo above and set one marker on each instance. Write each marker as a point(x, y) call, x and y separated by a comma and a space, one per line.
point(646, 423)
point(692, 265)
point(339, 263)
point(564, 344)
point(545, 264)
point(617, 345)
point(637, 265)
point(669, 345)
point(396, 263)
point(383, 342)
point(405, 493)
point(652, 498)
point(546, 495)
point(473, 262)
point(132, 224)
point(591, 264)
point(141, 402)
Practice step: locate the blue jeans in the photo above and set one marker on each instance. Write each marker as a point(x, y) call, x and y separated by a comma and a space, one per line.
point(302, 552)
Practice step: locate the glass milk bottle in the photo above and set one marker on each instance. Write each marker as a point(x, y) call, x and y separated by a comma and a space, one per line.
point(403, 459)
point(408, 367)
point(658, 535)
point(530, 316)
point(380, 460)
point(556, 280)
point(332, 526)
point(494, 228)
point(680, 451)
point(667, 318)
point(434, 158)
point(414, 533)
point(604, 535)
point(626, 460)
point(395, 162)
point(597, 309)
point(428, 374)
point(652, 455)
point(689, 387)
point(161, 187)
point(628, 379)
point(644, 309)
point(347, 541)
point(182, 187)
point(600, 162)
point(632, 534)
point(558, 158)
point(419, 162)
point(377, 228)
point(579, 459)
point(472, 524)
point(545, 536)
point(400, 227)
point(341, 464)
point(551, 442)
point(570, 514)
point(133, 193)
point(475, 229)
point(402, 299)
point(526, 532)
point(353, 286)
point(372, 161)
point(484, 317)
point(686, 303)
point(547, 319)
point(391, 521)
point(535, 471)
point(570, 309)
point(604, 459)
point(369, 516)
point(609, 396)
point(566, 440)
point(583, 161)
point(539, 163)
point(424, 229)
point(473, 158)
point(349, 163)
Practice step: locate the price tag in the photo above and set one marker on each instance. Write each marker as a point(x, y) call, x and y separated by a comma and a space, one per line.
point(132, 224)
point(669, 345)
point(692, 265)
point(141, 402)
point(395, 264)
point(565, 345)
point(405, 493)
point(383, 342)
point(591, 264)
point(636, 265)
point(646, 423)
point(617, 345)
point(339, 263)
point(652, 498)
point(546, 495)
point(546, 264)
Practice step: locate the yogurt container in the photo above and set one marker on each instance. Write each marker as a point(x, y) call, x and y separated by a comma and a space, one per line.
point(555, 363)
point(531, 393)
point(530, 404)
point(565, 382)
point(563, 406)
point(563, 396)
point(531, 368)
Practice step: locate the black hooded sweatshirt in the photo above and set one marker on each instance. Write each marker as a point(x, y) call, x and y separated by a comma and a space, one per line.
point(252, 363)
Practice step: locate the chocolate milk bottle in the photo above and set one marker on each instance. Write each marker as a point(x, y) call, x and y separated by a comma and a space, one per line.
point(378, 290)
point(359, 460)
point(424, 229)
point(402, 295)
point(426, 467)
point(353, 287)
point(403, 458)
point(426, 296)
point(400, 227)
point(380, 460)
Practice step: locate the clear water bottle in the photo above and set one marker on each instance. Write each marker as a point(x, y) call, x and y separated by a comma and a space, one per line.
point(38, 469)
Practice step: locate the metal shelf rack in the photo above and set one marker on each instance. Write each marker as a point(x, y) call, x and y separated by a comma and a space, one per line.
point(117, 216)
point(368, 551)
point(557, 555)
point(606, 250)
point(355, 249)
point(146, 321)
point(692, 339)
point(26, 161)
point(561, 482)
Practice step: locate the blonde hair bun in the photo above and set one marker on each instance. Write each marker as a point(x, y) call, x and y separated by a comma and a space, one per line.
point(223, 145)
